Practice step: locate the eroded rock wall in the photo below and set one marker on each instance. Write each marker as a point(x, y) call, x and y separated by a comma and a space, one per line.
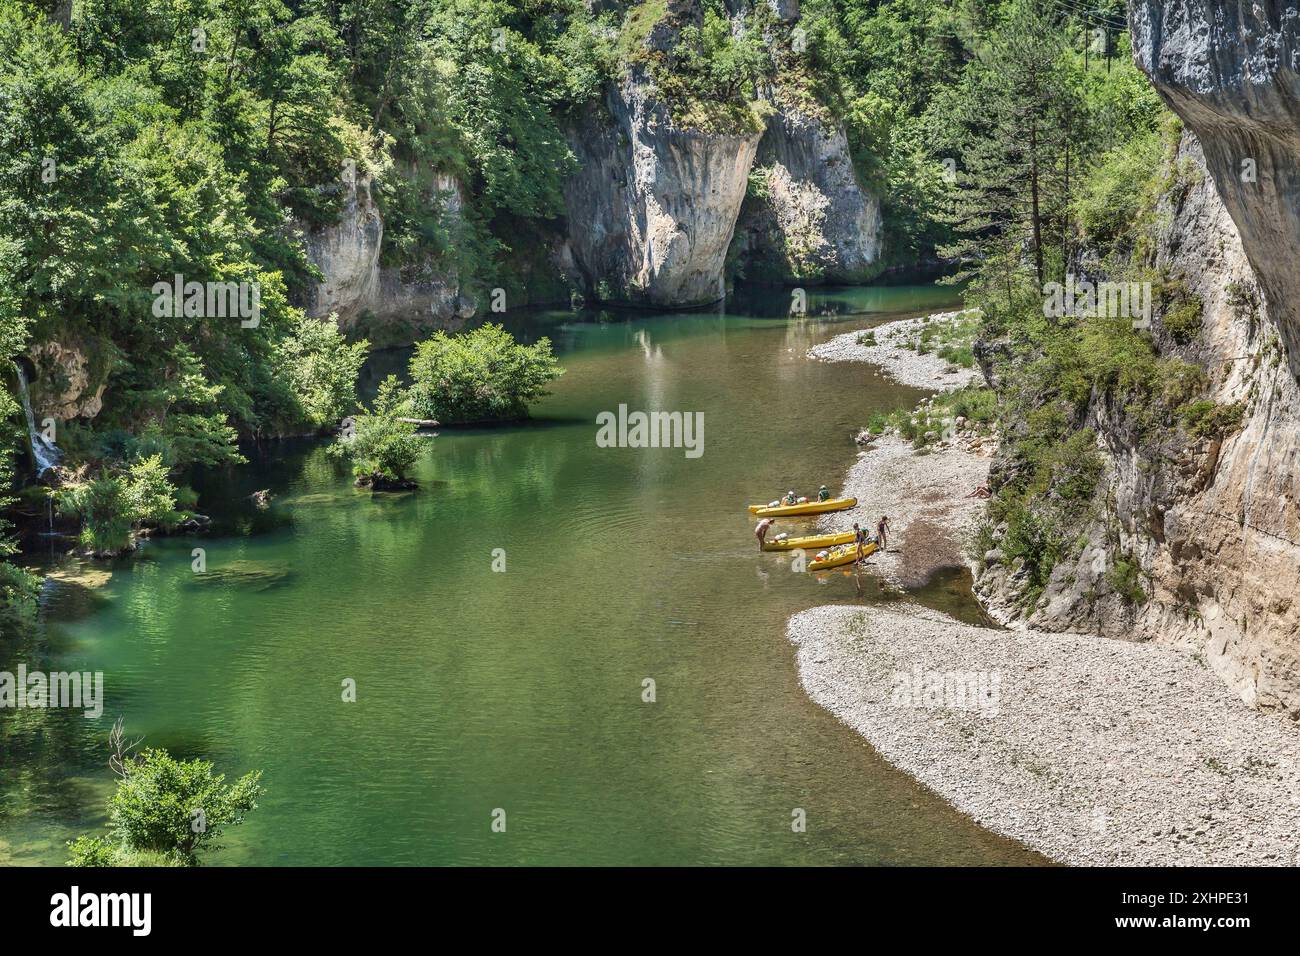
point(1213, 524)
point(369, 298)
point(653, 206)
point(1229, 69)
point(808, 218)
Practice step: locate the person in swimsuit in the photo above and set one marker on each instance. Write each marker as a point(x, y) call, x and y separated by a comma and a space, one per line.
point(882, 532)
point(760, 531)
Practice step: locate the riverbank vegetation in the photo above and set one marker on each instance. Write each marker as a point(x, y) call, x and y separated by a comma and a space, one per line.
point(380, 443)
point(205, 139)
point(482, 375)
point(165, 812)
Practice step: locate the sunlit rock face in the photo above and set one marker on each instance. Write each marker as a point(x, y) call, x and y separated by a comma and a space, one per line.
point(70, 378)
point(653, 206)
point(808, 219)
point(1229, 69)
point(391, 304)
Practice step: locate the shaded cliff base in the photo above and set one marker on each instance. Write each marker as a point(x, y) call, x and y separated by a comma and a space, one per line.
point(1092, 751)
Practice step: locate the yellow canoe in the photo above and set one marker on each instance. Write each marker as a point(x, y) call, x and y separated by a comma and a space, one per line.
point(809, 542)
point(841, 556)
point(807, 508)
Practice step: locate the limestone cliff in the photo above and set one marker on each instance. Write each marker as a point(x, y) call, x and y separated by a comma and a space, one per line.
point(1229, 69)
point(1212, 524)
point(806, 217)
point(652, 207)
point(391, 304)
point(69, 377)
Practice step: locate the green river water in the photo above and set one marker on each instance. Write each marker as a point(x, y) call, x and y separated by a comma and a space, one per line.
point(521, 690)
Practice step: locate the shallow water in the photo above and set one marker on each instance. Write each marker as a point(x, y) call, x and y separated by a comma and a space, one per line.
point(520, 690)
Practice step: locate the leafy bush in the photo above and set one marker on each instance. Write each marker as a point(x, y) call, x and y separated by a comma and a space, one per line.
point(1209, 419)
point(176, 808)
point(380, 445)
point(150, 496)
point(483, 375)
point(91, 851)
point(1118, 196)
point(1183, 318)
point(708, 77)
point(113, 504)
point(105, 512)
point(1125, 577)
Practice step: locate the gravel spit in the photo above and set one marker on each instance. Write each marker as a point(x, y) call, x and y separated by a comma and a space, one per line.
point(924, 495)
point(1089, 750)
point(896, 359)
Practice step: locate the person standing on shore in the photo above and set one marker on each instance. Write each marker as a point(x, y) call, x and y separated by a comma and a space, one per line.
point(859, 538)
point(882, 532)
point(760, 531)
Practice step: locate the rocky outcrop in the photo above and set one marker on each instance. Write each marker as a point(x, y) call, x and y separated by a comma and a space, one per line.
point(1211, 524)
point(806, 217)
point(652, 207)
point(369, 298)
point(69, 380)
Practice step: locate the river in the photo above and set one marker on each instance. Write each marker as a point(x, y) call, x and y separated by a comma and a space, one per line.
point(520, 690)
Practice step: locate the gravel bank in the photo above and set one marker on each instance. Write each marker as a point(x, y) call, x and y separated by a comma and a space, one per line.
point(924, 495)
point(897, 360)
point(1091, 751)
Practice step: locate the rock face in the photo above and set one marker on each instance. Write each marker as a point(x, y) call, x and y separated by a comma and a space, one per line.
point(67, 383)
point(807, 218)
point(368, 297)
point(652, 207)
point(1213, 525)
point(1229, 70)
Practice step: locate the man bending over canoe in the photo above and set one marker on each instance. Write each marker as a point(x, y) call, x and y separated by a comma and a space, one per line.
point(760, 531)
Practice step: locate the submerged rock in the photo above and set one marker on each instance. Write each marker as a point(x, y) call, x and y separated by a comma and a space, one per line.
point(249, 575)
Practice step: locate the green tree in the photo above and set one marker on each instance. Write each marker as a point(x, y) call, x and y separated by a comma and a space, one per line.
point(322, 367)
point(481, 375)
point(178, 808)
point(1013, 120)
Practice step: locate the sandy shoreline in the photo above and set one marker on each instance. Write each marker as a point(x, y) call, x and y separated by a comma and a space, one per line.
point(1098, 751)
